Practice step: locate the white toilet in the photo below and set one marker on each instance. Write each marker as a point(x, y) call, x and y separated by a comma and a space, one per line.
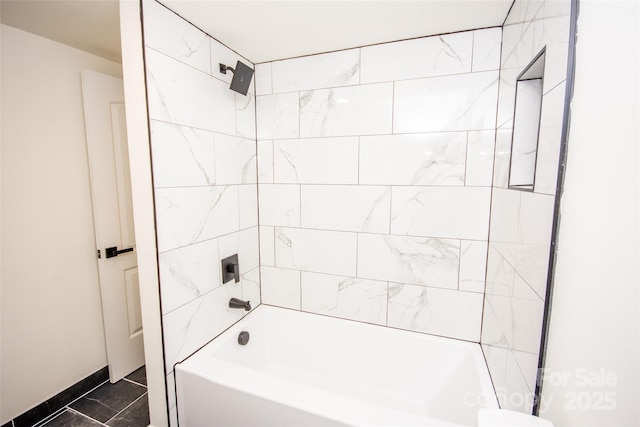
point(488, 417)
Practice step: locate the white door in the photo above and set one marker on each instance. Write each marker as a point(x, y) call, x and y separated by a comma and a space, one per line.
point(105, 125)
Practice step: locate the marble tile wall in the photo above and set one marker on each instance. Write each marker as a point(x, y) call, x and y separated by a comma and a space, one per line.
point(205, 177)
point(521, 221)
point(375, 168)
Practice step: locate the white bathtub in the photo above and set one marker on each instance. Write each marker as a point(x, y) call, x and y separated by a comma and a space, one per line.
point(301, 369)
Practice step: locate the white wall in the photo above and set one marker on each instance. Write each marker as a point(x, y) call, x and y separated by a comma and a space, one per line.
point(52, 332)
point(594, 319)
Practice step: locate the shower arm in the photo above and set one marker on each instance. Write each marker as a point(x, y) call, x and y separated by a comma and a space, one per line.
point(224, 68)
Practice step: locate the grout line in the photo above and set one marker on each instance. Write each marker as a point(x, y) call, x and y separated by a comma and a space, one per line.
point(90, 391)
point(48, 418)
point(381, 82)
point(134, 382)
point(325, 137)
point(86, 416)
point(126, 407)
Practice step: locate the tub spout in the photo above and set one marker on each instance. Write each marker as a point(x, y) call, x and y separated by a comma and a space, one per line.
point(236, 303)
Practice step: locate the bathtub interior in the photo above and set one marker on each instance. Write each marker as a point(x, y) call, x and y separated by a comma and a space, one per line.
point(412, 375)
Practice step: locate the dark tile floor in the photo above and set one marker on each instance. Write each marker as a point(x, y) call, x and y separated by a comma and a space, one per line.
point(123, 404)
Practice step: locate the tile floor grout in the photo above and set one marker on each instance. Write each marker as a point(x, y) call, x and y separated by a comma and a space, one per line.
point(67, 408)
point(85, 416)
point(127, 407)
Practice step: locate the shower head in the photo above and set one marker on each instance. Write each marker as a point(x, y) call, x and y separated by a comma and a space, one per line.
point(242, 75)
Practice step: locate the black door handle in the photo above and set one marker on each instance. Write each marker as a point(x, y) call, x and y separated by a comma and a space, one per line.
point(113, 251)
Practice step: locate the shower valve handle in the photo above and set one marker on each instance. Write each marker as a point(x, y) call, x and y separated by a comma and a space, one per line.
point(234, 268)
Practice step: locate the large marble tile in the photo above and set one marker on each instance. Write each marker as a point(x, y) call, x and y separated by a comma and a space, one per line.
point(279, 204)
point(243, 243)
point(523, 52)
point(250, 283)
point(191, 326)
point(171, 35)
point(502, 158)
point(523, 11)
point(248, 205)
point(552, 9)
point(246, 116)
point(507, 96)
point(278, 116)
point(473, 261)
point(354, 110)
point(530, 256)
point(265, 162)
point(448, 212)
point(188, 273)
point(444, 312)
point(519, 320)
point(346, 297)
point(280, 287)
point(496, 358)
point(492, 333)
point(263, 76)
point(505, 214)
point(318, 251)
point(316, 161)
point(413, 260)
point(182, 156)
point(517, 396)
point(221, 54)
point(194, 214)
point(480, 149)
point(549, 141)
point(66, 418)
point(501, 277)
point(528, 364)
point(171, 390)
point(135, 415)
point(511, 35)
point(178, 93)
point(422, 57)
point(420, 159)
point(107, 400)
point(235, 160)
point(267, 246)
point(487, 44)
point(521, 224)
point(346, 208)
point(326, 70)
point(450, 103)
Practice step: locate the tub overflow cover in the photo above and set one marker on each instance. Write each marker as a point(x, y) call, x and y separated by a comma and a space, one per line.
point(243, 338)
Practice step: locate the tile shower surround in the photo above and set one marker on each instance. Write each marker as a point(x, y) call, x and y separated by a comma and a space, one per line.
point(374, 179)
point(521, 222)
point(374, 175)
point(205, 185)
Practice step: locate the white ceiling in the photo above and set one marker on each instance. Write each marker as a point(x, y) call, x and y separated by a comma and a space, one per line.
point(262, 30)
point(267, 30)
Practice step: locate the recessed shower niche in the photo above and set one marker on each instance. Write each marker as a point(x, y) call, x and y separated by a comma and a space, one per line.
point(526, 124)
